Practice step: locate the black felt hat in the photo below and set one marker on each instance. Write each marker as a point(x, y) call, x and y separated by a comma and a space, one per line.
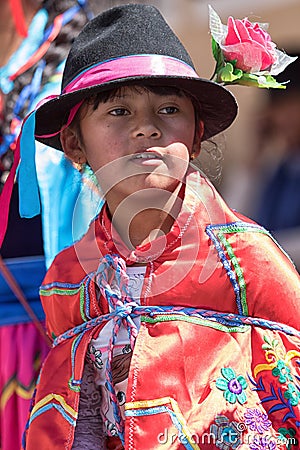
point(130, 44)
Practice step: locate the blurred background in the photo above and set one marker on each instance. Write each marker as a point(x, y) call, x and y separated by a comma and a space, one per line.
point(261, 151)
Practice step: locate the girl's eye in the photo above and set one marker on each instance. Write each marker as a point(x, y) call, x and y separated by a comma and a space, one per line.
point(119, 112)
point(168, 110)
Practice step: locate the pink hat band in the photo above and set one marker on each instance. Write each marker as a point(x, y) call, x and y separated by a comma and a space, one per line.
point(118, 69)
point(130, 66)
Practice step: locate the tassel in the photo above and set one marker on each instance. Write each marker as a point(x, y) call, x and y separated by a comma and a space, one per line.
point(6, 193)
point(29, 199)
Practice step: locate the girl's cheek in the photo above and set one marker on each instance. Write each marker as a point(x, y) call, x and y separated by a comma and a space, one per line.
point(178, 151)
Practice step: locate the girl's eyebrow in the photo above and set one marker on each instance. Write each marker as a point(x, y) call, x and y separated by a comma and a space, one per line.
point(116, 97)
point(119, 97)
point(127, 95)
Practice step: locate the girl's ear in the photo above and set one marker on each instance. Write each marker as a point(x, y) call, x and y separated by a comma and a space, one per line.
point(197, 140)
point(72, 146)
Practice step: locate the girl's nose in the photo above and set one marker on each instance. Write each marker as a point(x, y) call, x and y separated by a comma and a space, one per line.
point(147, 128)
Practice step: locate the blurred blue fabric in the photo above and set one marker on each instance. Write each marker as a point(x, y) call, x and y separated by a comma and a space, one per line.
point(29, 273)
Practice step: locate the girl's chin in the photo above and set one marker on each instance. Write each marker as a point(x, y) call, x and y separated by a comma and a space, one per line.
point(134, 185)
point(155, 181)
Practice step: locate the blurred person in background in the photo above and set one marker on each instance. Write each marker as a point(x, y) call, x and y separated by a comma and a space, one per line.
point(35, 38)
point(268, 182)
point(277, 206)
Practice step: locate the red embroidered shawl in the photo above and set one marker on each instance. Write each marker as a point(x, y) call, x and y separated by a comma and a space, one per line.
point(216, 364)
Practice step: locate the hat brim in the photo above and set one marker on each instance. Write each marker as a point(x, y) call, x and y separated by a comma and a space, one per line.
point(218, 106)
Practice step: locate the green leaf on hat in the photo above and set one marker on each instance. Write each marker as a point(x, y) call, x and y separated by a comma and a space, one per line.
point(261, 81)
point(228, 74)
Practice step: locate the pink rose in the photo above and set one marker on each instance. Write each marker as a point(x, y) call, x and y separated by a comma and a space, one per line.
point(249, 45)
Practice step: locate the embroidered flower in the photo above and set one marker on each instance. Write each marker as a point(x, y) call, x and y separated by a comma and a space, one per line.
point(227, 434)
point(95, 356)
point(282, 371)
point(257, 420)
point(292, 394)
point(263, 443)
point(232, 385)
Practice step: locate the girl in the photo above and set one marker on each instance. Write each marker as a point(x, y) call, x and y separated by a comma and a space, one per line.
point(177, 315)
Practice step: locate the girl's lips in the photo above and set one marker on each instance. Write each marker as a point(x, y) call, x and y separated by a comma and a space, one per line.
point(147, 157)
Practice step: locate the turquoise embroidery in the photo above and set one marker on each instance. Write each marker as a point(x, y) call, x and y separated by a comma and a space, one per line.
point(282, 371)
point(228, 258)
point(239, 273)
point(232, 385)
point(287, 436)
point(279, 395)
point(209, 322)
point(292, 394)
point(227, 434)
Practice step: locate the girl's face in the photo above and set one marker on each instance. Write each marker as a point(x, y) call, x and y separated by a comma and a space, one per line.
point(136, 140)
